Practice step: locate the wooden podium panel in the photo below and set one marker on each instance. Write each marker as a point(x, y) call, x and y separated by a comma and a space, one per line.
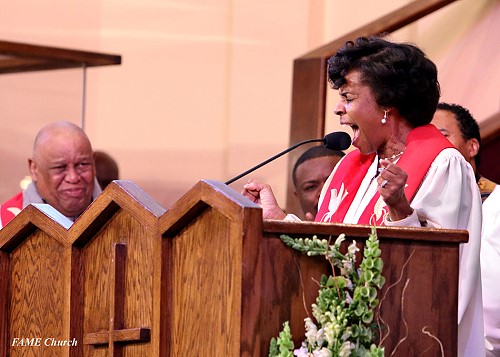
point(119, 243)
point(419, 300)
point(212, 239)
point(32, 308)
point(37, 261)
point(290, 278)
point(208, 277)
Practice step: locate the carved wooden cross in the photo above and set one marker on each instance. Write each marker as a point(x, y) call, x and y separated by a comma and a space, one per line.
point(117, 332)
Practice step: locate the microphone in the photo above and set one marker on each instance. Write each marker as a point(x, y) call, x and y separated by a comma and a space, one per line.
point(337, 140)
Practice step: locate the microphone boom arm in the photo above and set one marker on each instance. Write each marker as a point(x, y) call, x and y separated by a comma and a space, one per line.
point(271, 159)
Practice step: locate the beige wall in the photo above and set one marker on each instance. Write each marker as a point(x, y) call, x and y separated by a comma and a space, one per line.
point(204, 88)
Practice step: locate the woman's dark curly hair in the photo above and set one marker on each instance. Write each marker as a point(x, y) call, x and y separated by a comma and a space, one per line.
point(400, 75)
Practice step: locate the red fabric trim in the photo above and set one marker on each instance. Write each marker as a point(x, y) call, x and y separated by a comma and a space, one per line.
point(351, 171)
point(422, 146)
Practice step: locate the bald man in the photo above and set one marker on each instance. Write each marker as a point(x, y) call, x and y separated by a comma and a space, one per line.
point(62, 171)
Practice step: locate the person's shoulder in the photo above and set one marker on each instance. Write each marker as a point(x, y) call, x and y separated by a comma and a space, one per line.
point(451, 156)
point(452, 163)
point(450, 153)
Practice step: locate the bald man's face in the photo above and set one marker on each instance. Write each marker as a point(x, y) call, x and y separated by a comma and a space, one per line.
point(63, 171)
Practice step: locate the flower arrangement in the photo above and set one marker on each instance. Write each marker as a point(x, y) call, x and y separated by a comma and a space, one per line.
point(345, 305)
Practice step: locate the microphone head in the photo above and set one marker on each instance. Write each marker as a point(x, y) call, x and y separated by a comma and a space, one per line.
point(338, 140)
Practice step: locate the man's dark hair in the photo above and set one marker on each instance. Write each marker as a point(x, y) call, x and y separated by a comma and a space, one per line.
point(467, 124)
point(313, 153)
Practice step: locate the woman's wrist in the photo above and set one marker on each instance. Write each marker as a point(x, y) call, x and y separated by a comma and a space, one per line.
point(398, 214)
point(400, 218)
point(275, 213)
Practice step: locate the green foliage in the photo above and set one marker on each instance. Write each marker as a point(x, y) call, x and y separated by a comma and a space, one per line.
point(283, 346)
point(344, 308)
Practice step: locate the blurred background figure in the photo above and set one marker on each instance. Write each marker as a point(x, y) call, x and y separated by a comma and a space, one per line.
point(106, 168)
point(490, 272)
point(462, 130)
point(310, 173)
point(458, 125)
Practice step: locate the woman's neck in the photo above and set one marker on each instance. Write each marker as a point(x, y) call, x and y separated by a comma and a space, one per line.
point(396, 144)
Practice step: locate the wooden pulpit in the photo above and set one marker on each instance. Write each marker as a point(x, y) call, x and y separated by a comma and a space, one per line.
point(207, 277)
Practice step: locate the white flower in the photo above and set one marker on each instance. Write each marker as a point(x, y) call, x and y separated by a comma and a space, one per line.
point(311, 331)
point(352, 249)
point(320, 337)
point(302, 351)
point(346, 349)
point(330, 316)
point(349, 285)
point(329, 334)
point(348, 298)
point(324, 352)
point(340, 239)
point(347, 267)
point(332, 328)
point(347, 334)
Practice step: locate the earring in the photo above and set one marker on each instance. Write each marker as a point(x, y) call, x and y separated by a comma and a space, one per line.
point(384, 119)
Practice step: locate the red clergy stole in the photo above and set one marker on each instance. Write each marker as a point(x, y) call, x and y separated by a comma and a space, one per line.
point(10, 209)
point(423, 144)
